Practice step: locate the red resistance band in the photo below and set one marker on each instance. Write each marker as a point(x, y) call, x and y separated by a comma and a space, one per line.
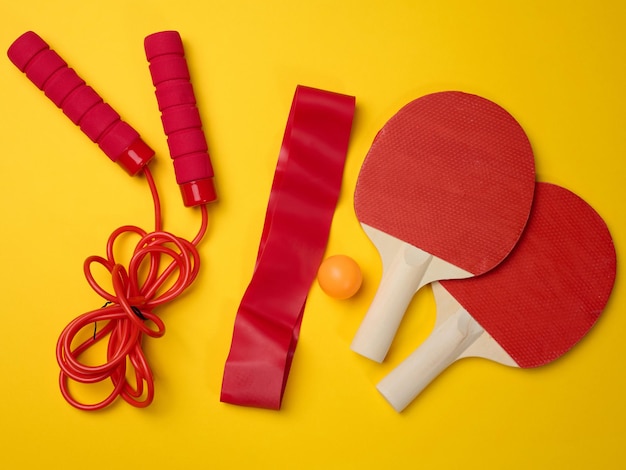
point(304, 194)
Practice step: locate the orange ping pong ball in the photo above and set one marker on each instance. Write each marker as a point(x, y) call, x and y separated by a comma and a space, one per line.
point(339, 276)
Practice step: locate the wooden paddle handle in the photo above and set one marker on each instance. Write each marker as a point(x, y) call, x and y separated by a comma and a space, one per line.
point(445, 345)
point(402, 277)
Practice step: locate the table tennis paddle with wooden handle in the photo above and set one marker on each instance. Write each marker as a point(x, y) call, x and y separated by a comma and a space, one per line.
point(444, 193)
point(531, 309)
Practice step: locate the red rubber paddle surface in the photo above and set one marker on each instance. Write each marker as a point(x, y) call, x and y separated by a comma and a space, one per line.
point(552, 287)
point(452, 174)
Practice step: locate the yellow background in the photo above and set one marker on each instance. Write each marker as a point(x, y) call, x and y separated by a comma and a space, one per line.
point(559, 67)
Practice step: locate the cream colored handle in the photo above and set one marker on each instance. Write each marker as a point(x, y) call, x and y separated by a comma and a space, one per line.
point(401, 279)
point(444, 346)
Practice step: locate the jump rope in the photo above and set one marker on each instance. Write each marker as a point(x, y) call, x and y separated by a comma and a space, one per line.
point(162, 264)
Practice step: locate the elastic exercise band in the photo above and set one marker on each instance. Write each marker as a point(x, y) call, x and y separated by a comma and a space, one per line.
point(299, 213)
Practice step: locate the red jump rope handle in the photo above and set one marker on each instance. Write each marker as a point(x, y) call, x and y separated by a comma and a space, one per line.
point(180, 117)
point(50, 73)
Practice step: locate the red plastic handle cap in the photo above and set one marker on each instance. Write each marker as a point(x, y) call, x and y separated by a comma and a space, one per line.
point(198, 192)
point(50, 73)
point(180, 117)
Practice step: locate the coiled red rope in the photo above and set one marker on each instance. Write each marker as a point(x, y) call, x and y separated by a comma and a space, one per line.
point(127, 315)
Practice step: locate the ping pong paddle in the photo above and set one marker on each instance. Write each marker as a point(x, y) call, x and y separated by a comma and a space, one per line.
point(531, 309)
point(444, 193)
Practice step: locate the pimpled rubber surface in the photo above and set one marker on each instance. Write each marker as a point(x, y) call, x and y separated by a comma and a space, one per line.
point(453, 174)
point(553, 286)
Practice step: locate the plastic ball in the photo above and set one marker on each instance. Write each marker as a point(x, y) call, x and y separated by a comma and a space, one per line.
point(339, 276)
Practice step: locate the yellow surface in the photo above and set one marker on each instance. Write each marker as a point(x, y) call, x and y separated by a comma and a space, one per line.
point(559, 67)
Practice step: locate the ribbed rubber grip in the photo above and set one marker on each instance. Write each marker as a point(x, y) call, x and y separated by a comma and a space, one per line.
point(180, 117)
point(99, 121)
